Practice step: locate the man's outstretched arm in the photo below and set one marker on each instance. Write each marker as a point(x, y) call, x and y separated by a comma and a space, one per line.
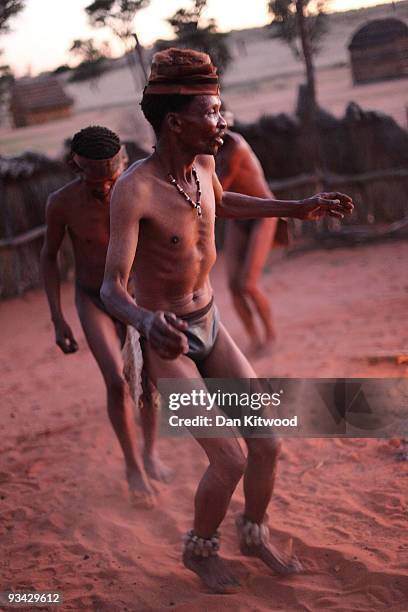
point(238, 206)
point(161, 329)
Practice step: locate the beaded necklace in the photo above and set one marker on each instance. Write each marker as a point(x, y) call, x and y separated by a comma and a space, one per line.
point(197, 204)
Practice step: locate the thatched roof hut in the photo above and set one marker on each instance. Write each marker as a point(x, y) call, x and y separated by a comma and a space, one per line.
point(39, 100)
point(379, 50)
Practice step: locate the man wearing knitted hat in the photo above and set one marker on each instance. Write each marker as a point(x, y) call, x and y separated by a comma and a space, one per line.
point(166, 207)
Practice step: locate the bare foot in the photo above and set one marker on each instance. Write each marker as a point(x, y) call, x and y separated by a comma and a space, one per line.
point(156, 469)
point(213, 572)
point(281, 563)
point(278, 562)
point(141, 493)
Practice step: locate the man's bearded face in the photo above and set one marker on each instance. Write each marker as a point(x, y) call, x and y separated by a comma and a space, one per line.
point(202, 126)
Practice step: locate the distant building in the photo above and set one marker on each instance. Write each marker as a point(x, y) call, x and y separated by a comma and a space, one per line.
point(379, 50)
point(39, 100)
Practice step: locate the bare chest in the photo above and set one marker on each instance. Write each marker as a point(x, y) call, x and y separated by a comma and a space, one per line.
point(175, 228)
point(89, 226)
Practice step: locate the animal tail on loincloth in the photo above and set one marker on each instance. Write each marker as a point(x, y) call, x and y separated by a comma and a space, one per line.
point(140, 386)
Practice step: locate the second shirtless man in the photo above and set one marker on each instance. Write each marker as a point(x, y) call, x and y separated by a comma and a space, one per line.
point(162, 235)
point(81, 208)
point(247, 242)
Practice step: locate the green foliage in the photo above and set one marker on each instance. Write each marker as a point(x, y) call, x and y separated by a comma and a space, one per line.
point(192, 33)
point(6, 81)
point(118, 15)
point(89, 51)
point(285, 23)
point(89, 70)
point(8, 9)
point(61, 69)
point(93, 57)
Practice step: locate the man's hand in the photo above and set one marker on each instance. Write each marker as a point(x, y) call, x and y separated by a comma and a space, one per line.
point(164, 331)
point(64, 337)
point(330, 203)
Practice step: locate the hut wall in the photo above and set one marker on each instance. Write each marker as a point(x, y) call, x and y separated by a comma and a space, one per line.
point(23, 208)
point(385, 61)
point(376, 203)
point(360, 142)
point(22, 119)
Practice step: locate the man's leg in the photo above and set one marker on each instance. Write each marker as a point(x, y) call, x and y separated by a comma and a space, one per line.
point(103, 340)
point(235, 246)
point(227, 361)
point(226, 466)
point(149, 409)
point(257, 251)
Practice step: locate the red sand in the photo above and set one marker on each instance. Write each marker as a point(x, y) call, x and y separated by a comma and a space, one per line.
point(66, 522)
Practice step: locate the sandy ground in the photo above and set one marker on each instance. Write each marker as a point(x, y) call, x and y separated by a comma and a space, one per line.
point(66, 523)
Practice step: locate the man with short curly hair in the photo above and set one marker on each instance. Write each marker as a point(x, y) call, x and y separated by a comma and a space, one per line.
point(81, 208)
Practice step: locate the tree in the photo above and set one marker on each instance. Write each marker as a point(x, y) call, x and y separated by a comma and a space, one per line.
point(61, 69)
point(6, 81)
point(8, 9)
point(302, 24)
point(93, 59)
point(191, 32)
point(88, 51)
point(118, 16)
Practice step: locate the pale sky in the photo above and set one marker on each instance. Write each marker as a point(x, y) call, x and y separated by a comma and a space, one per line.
point(43, 32)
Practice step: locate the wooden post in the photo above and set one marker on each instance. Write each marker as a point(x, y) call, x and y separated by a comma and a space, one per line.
point(139, 52)
point(311, 105)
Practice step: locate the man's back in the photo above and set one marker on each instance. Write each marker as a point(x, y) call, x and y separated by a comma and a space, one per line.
point(239, 167)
